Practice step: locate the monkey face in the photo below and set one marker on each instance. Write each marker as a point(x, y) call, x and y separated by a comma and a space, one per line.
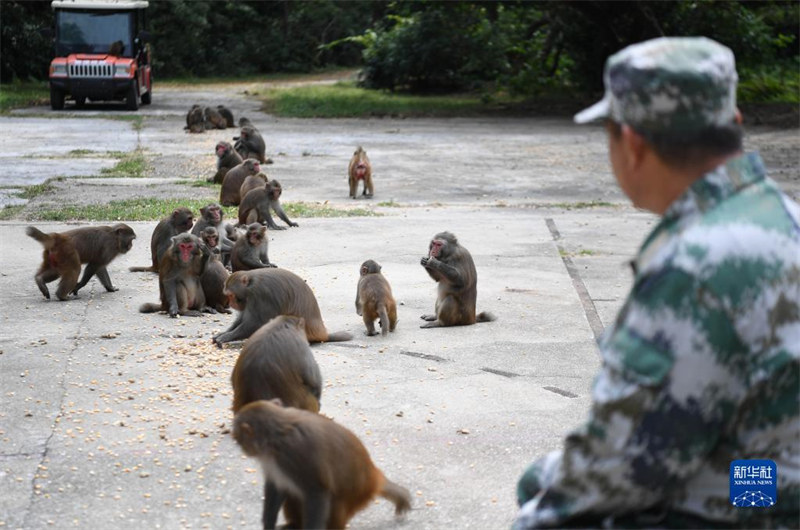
point(222, 149)
point(435, 248)
point(186, 251)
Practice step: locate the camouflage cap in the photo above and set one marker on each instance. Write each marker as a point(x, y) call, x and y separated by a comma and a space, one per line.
point(668, 85)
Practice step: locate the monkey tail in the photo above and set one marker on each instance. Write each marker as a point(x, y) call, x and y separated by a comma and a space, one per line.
point(39, 236)
point(396, 494)
point(142, 269)
point(339, 336)
point(485, 316)
point(384, 316)
point(149, 308)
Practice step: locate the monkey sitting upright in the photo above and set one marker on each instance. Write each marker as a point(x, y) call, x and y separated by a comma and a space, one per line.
point(250, 250)
point(374, 299)
point(322, 467)
point(451, 266)
point(360, 169)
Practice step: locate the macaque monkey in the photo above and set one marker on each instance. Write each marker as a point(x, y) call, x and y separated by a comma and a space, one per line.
point(318, 465)
point(212, 280)
point(276, 362)
point(260, 295)
point(227, 114)
point(250, 250)
point(213, 119)
point(360, 169)
point(451, 265)
point(250, 144)
point(212, 215)
point(179, 221)
point(59, 260)
point(374, 299)
point(227, 158)
point(96, 246)
point(195, 120)
point(255, 206)
point(179, 278)
point(229, 194)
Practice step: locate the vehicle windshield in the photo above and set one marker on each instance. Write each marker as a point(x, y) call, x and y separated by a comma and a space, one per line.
point(105, 32)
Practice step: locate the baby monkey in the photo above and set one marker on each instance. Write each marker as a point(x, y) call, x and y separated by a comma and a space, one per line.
point(374, 299)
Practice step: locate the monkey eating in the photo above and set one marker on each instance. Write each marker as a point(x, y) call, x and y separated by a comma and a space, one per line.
point(179, 221)
point(96, 246)
point(229, 194)
point(360, 169)
point(318, 465)
point(374, 299)
point(451, 266)
point(262, 294)
point(276, 362)
point(255, 206)
point(250, 250)
point(227, 158)
point(179, 274)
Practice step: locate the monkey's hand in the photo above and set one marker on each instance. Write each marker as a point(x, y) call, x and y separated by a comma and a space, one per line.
point(424, 261)
point(292, 223)
point(277, 227)
point(173, 311)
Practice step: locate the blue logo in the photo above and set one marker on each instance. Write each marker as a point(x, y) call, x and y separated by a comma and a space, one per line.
point(753, 483)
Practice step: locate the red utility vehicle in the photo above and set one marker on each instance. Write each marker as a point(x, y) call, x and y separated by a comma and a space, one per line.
point(101, 53)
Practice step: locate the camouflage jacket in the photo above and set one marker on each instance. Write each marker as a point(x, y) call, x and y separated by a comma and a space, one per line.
point(702, 367)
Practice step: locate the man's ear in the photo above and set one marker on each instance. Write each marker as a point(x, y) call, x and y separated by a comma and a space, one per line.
point(738, 116)
point(635, 147)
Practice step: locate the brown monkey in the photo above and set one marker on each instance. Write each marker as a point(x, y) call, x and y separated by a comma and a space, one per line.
point(96, 246)
point(59, 260)
point(227, 158)
point(252, 182)
point(276, 362)
point(213, 119)
point(360, 169)
point(179, 278)
point(374, 299)
point(212, 215)
point(309, 459)
point(245, 122)
point(179, 221)
point(212, 280)
point(452, 267)
point(234, 178)
point(262, 294)
point(255, 206)
point(250, 250)
point(195, 120)
point(227, 114)
point(250, 144)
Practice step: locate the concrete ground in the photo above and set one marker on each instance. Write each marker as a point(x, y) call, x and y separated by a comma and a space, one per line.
point(114, 419)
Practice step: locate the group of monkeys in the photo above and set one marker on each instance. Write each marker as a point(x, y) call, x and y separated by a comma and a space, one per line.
point(317, 471)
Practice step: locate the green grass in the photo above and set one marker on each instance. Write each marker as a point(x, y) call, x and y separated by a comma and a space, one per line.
point(30, 192)
point(390, 204)
point(11, 212)
point(133, 164)
point(198, 183)
point(17, 95)
point(345, 100)
point(155, 209)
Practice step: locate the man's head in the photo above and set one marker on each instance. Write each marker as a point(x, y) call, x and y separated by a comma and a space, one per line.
point(675, 97)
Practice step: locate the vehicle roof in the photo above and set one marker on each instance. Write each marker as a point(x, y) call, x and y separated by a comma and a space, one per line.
point(99, 4)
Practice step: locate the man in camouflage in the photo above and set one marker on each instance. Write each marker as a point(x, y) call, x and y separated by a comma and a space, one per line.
point(702, 366)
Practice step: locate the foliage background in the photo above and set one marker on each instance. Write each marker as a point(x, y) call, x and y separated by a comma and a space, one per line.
point(517, 47)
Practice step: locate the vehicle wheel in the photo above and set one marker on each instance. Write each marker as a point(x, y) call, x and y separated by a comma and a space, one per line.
point(132, 97)
point(147, 97)
point(80, 102)
point(56, 98)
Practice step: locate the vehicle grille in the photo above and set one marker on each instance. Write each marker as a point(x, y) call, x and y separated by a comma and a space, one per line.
point(91, 69)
